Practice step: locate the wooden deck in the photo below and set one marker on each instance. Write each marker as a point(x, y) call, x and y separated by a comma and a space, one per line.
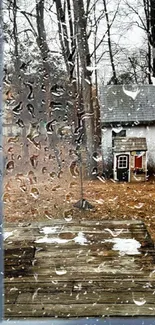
point(79, 268)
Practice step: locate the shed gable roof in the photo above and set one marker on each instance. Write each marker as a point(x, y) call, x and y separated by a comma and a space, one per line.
point(118, 107)
point(129, 144)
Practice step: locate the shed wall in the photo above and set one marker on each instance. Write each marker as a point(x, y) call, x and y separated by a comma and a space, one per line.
point(137, 131)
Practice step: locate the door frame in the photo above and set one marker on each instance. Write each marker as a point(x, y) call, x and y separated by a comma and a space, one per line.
point(115, 155)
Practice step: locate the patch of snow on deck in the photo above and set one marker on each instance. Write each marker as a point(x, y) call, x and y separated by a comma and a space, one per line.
point(49, 240)
point(7, 234)
point(125, 246)
point(80, 239)
point(49, 230)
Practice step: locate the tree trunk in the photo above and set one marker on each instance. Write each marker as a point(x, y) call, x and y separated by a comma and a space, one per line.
point(114, 77)
point(44, 49)
point(152, 39)
point(63, 34)
point(97, 128)
point(147, 18)
point(15, 35)
point(84, 56)
point(1, 169)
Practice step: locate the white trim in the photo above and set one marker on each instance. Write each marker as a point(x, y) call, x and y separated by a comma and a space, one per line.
point(124, 160)
point(115, 164)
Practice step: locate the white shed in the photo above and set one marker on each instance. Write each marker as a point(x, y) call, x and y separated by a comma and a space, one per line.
point(127, 111)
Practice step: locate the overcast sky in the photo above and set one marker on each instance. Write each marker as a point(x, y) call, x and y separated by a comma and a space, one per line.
point(131, 39)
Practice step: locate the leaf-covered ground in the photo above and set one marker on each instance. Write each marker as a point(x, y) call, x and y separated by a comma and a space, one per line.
point(28, 198)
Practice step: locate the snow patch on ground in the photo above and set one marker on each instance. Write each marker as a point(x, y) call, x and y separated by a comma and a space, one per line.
point(125, 246)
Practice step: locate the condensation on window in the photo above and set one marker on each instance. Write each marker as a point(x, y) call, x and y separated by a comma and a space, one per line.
point(78, 159)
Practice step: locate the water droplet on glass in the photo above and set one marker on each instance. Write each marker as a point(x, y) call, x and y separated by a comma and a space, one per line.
point(69, 197)
point(7, 186)
point(10, 165)
point(23, 188)
point(57, 90)
point(74, 170)
point(10, 150)
point(55, 188)
point(60, 271)
point(114, 233)
point(34, 212)
point(30, 94)
point(72, 184)
point(18, 108)
point(44, 170)
point(60, 173)
point(6, 197)
point(133, 94)
point(35, 293)
point(20, 123)
point(140, 302)
point(32, 178)
point(68, 215)
point(33, 132)
point(36, 277)
point(34, 161)
point(34, 192)
point(14, 139)
point(37, 144)
point(49, 126)
point(52, 175)
point(47, 215)
point(139, 205)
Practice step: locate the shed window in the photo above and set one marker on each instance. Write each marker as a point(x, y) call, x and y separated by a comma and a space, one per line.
point(122, 162)
point(138, 161)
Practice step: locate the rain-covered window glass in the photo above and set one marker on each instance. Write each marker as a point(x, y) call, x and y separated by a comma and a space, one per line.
point(79, 158)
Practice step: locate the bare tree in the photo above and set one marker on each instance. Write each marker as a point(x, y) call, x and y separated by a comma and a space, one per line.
point(146, 5)
point(144, 21)
point(66, 35)
point(44, 50)
point(114, 76)
point(152, 36)
point(15, 35)
point(85, 65)
point(1, 166)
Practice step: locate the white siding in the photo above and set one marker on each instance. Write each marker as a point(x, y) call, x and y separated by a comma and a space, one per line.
point(147, 132)
point(106, 145)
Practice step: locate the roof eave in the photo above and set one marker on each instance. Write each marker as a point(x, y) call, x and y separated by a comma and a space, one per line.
point(127, 123)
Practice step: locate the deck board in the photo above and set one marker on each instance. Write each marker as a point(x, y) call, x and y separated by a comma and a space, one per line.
point(69, 278)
